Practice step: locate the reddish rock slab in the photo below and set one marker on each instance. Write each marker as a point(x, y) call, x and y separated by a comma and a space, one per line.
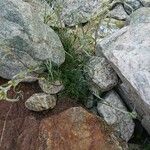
point(67, 127)
point(75, 129)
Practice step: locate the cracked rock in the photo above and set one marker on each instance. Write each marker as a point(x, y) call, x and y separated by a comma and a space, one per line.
point(118, 118)
point(40, 102)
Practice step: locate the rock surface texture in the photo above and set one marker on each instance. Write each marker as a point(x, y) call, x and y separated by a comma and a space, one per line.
point(40, 102)
point(109, 26)
point(51, 87)
point(121, 121)
point(118, 13)
point(82, 129)
point(101, 73)
point(146, 3)
point(131, 5)
point(77, 11)
point(67, 126)
point(128, 53)
point(25, 41)
point(45, 12)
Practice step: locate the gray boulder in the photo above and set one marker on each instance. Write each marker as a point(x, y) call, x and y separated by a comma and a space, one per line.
point(118, 13)
point(101, 73)
point(146, 3)
point(118, 118)
point(25, 41)
point(40, 7)
point(131, 5)
point(108, 26)
point(141, 17)
point(40, 102)
point(45, 12)
point(128, 53)
point(73, 12)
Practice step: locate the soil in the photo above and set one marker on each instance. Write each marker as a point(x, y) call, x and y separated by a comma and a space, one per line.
point(27, 90)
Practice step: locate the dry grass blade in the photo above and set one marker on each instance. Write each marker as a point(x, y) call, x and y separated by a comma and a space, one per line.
point(4, 126)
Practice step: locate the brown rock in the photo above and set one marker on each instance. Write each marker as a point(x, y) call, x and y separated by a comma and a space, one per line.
point(75, 129)
point(58, 129)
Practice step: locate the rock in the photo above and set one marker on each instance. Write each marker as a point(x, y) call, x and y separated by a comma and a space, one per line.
point(126, 93)
point(40, 102)
point(140, 16)
point(26, 42)
point(146, 123)
point(122, 122)
point(90, 102)
point(51, 88)
point(131, 5)
point(45, 12)
point(94, 111)
point(128, 53)
point(94, 88)
point(101, 73)
point(109, 26)
point(73, 12)
point(28, 130)
point(79, 128)
point(146, 3)
point(118, 13)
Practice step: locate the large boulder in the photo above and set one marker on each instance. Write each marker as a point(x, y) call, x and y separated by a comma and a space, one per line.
point(25, 41)
point(73, 12)
point(115, 114)
point(128, 53)
point(75, 129)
